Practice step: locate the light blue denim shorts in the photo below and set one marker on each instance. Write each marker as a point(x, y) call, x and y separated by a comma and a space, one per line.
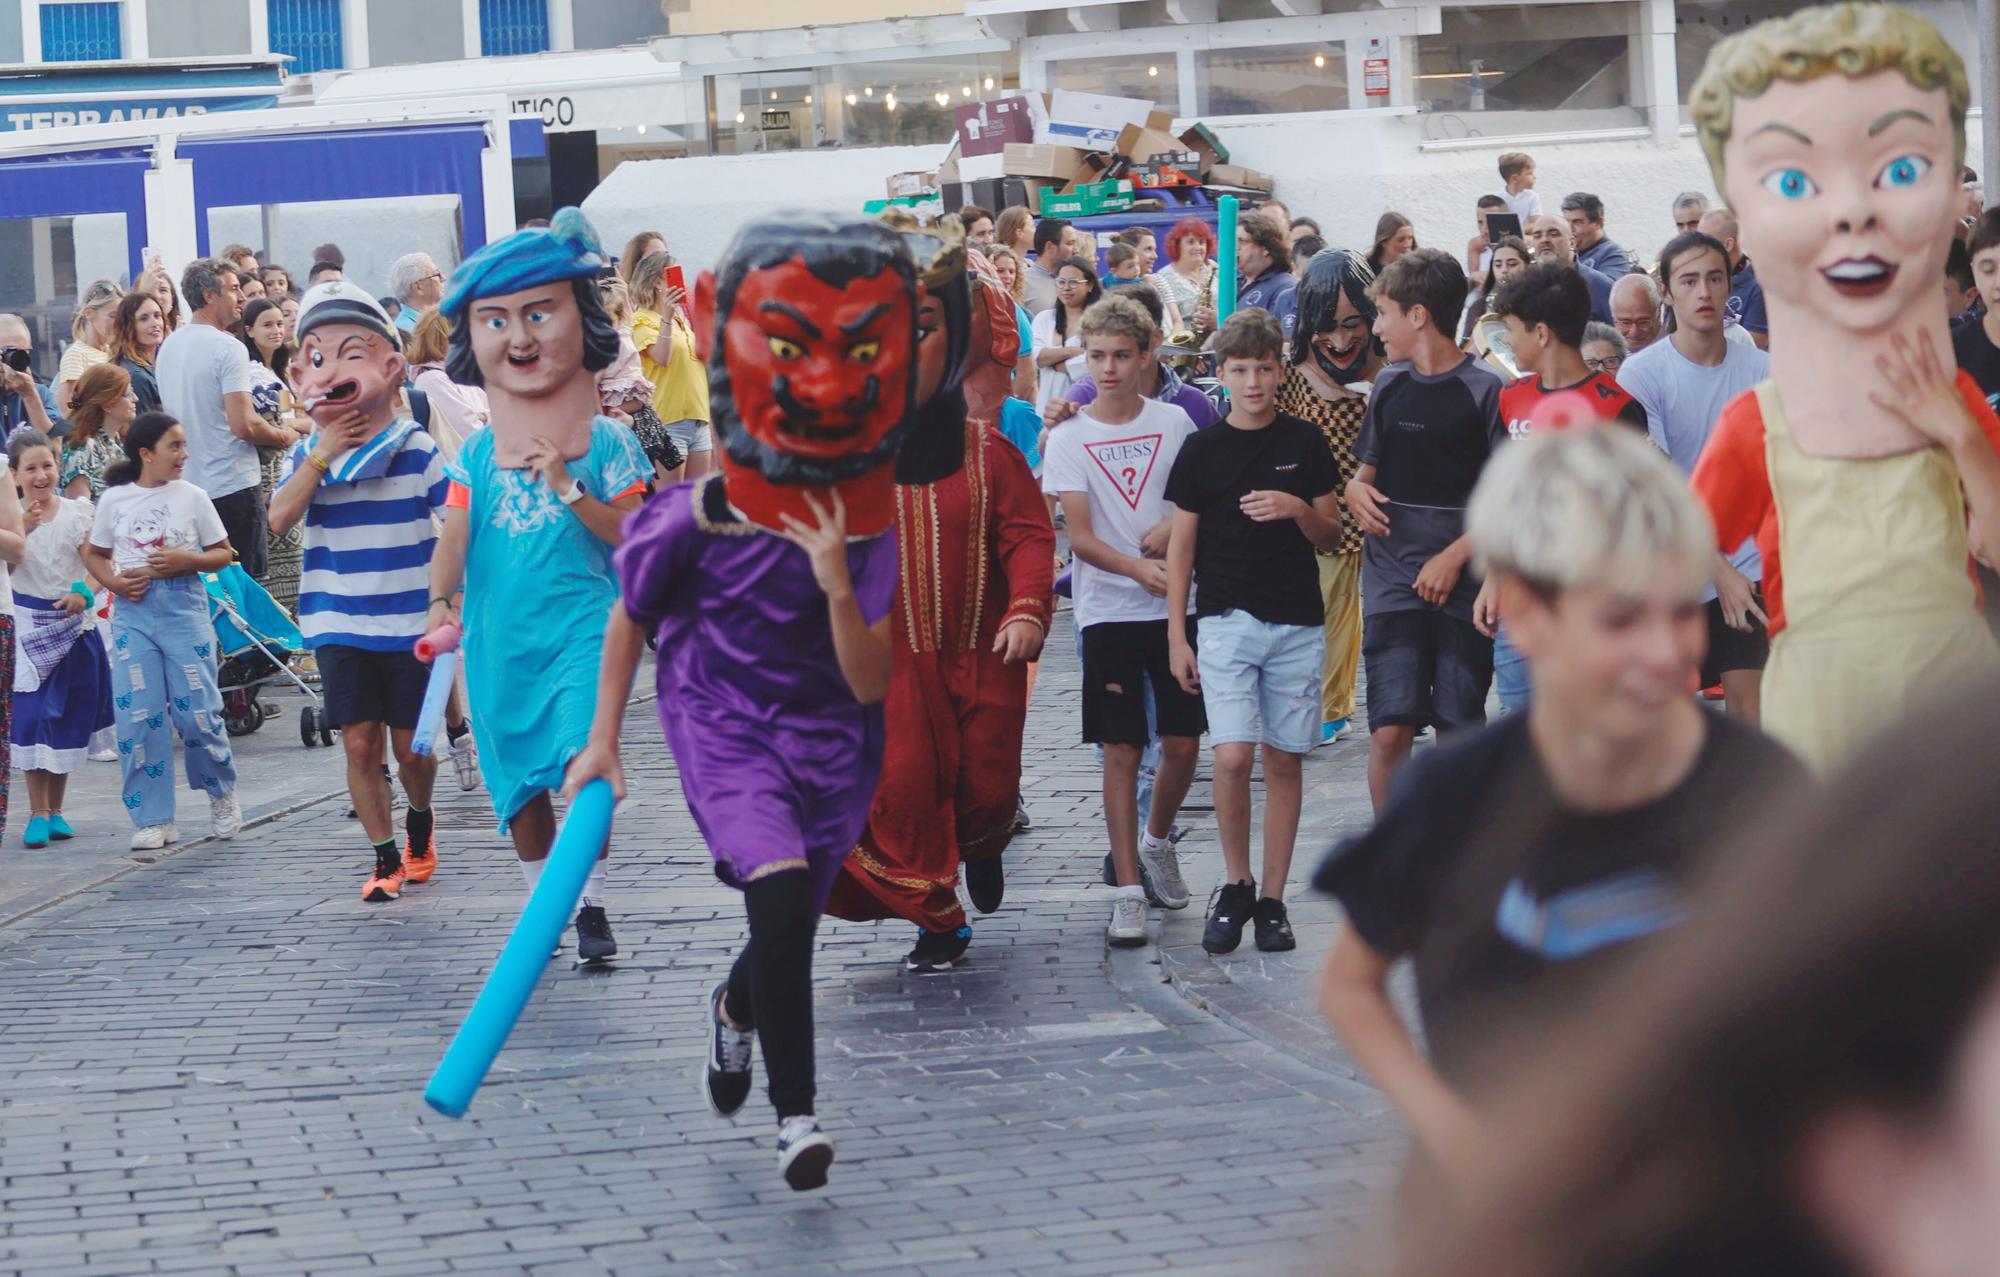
point(1260, 683)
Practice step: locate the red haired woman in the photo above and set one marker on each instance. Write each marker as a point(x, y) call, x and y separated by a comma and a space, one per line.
point(1188, 278)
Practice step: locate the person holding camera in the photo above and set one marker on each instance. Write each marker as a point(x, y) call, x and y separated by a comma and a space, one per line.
point(23, 400)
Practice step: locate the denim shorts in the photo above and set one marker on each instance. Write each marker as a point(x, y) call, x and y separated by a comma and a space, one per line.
point(692, 436)
point(1253, 671)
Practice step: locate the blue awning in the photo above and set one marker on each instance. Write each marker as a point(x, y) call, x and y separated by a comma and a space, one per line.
point(529, 142)
point(69, 185)
point(359, 164)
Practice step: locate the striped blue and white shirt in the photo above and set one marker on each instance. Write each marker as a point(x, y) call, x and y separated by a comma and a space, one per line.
point(367, 572)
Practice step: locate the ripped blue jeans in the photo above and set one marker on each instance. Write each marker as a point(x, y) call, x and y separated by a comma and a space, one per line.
point(163, 661)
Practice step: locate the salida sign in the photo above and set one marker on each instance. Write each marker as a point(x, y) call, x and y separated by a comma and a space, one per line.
point(18, 119)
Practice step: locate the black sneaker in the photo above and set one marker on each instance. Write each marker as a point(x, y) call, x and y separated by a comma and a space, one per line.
point(985, 884)
point(725, 1071)
point(594, 942)
point(938, 950)
point(1273, 927)
point(1232, 905)
point(804, 1153)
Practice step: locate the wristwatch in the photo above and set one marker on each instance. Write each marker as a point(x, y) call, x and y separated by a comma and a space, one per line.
point(573, 495)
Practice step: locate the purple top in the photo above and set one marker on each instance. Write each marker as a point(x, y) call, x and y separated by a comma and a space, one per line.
point(1199, 408)
point(778, 761)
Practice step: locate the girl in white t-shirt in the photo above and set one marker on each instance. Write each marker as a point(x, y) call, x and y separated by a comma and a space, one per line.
point(153, 536)
point(62, 682)
point(12, 544)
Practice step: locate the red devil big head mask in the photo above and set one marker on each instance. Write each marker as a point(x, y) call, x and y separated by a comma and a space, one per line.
point(812, 373)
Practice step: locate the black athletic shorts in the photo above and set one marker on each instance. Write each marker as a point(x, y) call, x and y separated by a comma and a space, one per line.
point(1425, 668)
point(1118, 659)
point(363, 686)
point(1731, 649)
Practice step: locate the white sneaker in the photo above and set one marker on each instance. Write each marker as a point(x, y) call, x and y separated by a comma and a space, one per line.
point(465, 760)
point(804, 1152)
point(154, 837)
point(225, 817)
point(104, 756)
point(1128, 920)
point(1163, 870)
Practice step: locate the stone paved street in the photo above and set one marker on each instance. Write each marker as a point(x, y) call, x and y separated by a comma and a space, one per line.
point(213, 1064)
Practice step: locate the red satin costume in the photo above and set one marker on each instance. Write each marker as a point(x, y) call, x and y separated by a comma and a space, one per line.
point(976, 552)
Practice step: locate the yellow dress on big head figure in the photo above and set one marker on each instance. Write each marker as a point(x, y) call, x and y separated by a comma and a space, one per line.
point(1880, 611)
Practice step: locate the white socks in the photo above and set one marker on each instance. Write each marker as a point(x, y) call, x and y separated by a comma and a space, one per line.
point(593, 886)
point(1152, 843)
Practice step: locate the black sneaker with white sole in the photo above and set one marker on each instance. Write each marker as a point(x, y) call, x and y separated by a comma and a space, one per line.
point(725, 1071)
point(594, 941)
point(938, 950)
point(804, 1153)
point(1233, 904)
point(1273, 927)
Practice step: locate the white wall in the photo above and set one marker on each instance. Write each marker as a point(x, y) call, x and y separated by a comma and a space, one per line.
point(698, 202)
point(1345, 176)
point(1343, 173)
point(373, 234)
point(100, 248)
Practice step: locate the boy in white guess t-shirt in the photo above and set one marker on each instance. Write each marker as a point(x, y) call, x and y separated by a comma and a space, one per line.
point(1108, 466)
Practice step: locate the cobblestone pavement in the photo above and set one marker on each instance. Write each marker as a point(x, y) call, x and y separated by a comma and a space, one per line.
point(213, 1064)
point(275, 774)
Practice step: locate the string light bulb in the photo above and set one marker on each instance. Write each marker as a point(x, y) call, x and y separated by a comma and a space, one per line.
point(851, 99)
point(989, 82)
point(890, 100)
point(1153, 71)
point(1319, 59)
point(739, 117)
point(868, 91)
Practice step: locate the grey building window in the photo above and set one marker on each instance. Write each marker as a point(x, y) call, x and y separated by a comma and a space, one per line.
point(404, 31)
point(10, 31)
point(606, 24)
point(196, 28)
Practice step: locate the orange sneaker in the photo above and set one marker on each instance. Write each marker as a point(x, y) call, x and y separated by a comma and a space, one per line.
point(383, 887)
point(418, 866)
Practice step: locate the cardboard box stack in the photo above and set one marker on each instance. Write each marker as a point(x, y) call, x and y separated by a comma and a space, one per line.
point(1070, 154)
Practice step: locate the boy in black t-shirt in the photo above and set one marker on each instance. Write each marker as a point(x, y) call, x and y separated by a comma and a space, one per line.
point(1252, 497)
point(1515, 863)
point(1433, 420)
point(1976, 343)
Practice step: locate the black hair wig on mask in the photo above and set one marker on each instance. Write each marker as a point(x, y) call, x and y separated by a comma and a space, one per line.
point(936, 445)
point(600, 336)
point(1325, 278)
point(837, 250)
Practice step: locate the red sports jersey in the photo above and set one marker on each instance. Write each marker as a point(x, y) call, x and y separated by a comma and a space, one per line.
point(1527, 406)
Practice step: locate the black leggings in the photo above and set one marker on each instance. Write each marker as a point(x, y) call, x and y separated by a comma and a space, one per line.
point(770, 986)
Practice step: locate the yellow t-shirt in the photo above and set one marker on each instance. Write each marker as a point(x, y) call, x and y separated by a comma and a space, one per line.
point(680, 387)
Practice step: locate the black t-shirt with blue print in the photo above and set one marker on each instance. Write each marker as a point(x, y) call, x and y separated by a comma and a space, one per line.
point(1506, 900)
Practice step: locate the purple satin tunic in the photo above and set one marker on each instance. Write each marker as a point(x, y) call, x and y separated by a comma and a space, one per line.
point(778, 761)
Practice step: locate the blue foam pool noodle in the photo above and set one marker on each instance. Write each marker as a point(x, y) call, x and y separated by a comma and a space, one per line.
point(526, 954)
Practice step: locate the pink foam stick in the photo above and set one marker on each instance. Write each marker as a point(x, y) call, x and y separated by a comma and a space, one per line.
point(439, 641)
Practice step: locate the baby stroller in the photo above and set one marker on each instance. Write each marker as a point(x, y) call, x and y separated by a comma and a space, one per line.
point(256, 642)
